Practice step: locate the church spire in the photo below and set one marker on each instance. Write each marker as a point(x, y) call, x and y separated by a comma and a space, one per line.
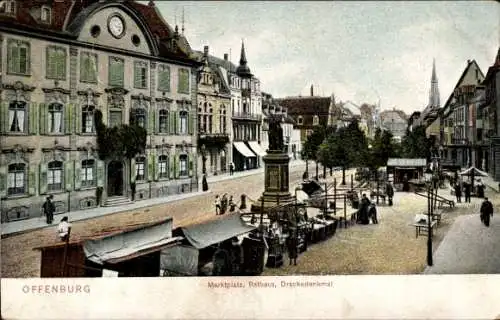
point(243, 69)
point(243, 56)
point(434, 91)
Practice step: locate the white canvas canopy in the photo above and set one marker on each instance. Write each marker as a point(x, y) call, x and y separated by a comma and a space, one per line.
point(473, 171)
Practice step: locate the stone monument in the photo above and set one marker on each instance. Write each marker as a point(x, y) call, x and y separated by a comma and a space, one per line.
point(276, 183)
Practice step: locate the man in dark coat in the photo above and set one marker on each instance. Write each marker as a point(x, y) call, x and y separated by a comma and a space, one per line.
point(458, 191)
point(292, 248)
point(486, 212)
point(48, 209)
point(363, 211)
point(467, 191)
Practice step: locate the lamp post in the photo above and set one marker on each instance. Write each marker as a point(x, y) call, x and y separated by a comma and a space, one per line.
point(204, 182)
point(428, 179)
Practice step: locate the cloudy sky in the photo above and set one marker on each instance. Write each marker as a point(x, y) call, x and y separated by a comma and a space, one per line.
point(360, 51)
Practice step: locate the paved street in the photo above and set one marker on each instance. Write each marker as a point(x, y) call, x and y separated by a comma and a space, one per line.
point(19, 260)
point(391, 246)
point(469, 247)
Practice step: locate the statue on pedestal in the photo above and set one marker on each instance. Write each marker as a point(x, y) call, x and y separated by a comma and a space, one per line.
point(275, 134)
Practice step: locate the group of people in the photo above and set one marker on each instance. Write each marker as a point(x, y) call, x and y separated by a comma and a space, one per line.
point(367, 211)
point(465, 188)
point(223, 203)
point(64, 226)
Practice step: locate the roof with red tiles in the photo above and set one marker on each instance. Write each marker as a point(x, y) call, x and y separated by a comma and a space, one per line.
point(67, 16)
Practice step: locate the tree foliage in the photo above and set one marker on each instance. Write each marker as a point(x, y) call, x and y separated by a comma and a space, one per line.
point(125, 141)
point(416, 144)
point(383, 147)
point(311, 145)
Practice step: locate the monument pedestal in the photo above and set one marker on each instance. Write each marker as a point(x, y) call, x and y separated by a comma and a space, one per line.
point(276, 187)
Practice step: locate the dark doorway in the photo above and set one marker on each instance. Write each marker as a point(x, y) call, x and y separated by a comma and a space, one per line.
point(115, 178)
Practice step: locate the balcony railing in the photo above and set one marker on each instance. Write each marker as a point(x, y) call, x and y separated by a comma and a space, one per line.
point(213, 139)
point(247, 116)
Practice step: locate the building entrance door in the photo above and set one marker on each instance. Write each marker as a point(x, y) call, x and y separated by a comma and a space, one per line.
point(115, 178)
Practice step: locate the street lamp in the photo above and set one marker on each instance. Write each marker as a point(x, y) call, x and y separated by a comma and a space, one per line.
point(204, 183)
point(429, 180)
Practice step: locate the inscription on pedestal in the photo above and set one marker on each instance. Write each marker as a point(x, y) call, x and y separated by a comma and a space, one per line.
point(273, 178)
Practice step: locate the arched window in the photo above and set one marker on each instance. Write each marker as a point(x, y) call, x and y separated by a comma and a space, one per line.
point(183, 122)
point(222, 120)
point(55, 117)
point(210, 118)
point(300, 120)
point(183, 165)
point(163, 166)
point(138, 117)
point(88, 119)
point(202, 123)
point(16, 181)
point(17, 116)
point(88, 177)
point(163, 121)
point(55, 176)
point(140, 165)
point(315, 120)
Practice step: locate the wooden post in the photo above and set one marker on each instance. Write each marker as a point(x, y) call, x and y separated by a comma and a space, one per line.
point(65, 257)
point(345, 211)
point(262, 212)
point(377, 185)
point(326, 198)
point(352, 183)
point(335, 195)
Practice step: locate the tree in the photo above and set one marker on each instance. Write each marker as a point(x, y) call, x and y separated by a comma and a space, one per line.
point(416, 144)
point(123, 142)
point(311, 145)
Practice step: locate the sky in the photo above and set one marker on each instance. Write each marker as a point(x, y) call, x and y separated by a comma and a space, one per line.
point(359, 51)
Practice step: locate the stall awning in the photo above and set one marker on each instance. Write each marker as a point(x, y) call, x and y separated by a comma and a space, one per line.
point(243, 149)
point(256, 148)
point(132, 244)
point(406, 163)
point(206, 234)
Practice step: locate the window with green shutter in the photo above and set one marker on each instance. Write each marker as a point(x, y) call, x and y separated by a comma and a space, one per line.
point(163, 78)
point(140, 75)
point(56, 63)
point(116, 72)
point(183, 84)
point(88, 67)
point(18, 57)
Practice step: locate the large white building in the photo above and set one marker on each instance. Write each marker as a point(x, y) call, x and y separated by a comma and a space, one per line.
point(61, 61)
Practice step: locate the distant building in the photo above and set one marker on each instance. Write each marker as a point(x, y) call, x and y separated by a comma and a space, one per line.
point(458, 119)
point(311, 111)
point(395, 121)
point(488, 120)
point(214, 118)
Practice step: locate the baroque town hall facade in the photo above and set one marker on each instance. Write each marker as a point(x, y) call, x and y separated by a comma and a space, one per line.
point(61, 60)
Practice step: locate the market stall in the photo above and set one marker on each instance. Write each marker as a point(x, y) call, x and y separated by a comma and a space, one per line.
point(406, 172)
point(210, 248)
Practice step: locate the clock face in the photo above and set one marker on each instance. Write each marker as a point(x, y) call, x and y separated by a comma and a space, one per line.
point(116, 26)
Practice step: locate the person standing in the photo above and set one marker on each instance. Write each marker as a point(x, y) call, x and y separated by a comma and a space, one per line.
point(217, 205)
point(232, 205)
point(390, 192)
point(292, 248)
point(458, 192)
point(480, 189)
point(467, 191)
point(231, 168)
point(373, 213)
point(486, 211)
point(48, 209)
point(363, 211)
point(63, 229)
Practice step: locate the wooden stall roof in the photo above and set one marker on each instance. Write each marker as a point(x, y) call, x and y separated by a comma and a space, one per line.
point(406, 162)
point(76, 240)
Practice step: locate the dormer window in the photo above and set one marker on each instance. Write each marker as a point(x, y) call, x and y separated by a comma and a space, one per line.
point(315, 120)
point(300, 120)
point(45, 14)
point(8, 7)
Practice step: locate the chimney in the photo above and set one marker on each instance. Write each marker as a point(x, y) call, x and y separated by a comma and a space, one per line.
point(312, 91)
point(226, 56)
point(205, 51)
